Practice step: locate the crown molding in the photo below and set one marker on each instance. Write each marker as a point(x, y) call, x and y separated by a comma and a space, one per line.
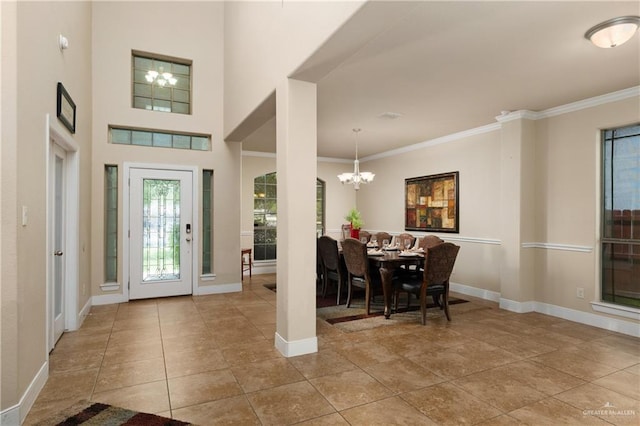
point(444, 139)
point(516, 115)
point(591, 102)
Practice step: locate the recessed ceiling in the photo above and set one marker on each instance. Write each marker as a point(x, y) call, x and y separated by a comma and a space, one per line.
point(446, 67)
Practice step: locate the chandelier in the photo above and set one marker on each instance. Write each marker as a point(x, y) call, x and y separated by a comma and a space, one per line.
point(160, 77)
point(357, 177)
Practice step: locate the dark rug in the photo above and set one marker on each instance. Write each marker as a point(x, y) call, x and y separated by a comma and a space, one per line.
point(452, 301)
point(325, 302)
point(321, 302)
point(88, 413)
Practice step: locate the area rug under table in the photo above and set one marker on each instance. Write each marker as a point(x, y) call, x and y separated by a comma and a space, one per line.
point(94, 414)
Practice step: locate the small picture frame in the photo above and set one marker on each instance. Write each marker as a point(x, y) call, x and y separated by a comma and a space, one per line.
point(66, 109)
point(431, 203)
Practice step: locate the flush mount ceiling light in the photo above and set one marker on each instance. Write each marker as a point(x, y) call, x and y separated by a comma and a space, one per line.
point(160, 77)
point(613, 32)
point(357, 177)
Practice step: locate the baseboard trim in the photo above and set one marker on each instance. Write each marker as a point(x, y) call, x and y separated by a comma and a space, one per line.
point(519, 307)
point(295, 348)
point(218, 289)
point(587, 318)
point(84, 312)
point(475, 292)
point(15, 415)
point(108, 299)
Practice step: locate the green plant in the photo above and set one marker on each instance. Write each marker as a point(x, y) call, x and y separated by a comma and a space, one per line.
point(354, 218)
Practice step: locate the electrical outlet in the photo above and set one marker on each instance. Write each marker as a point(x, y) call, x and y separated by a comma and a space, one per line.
point(580, 293)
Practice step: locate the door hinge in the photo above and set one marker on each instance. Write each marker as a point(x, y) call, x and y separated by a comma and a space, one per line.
point(129, 233)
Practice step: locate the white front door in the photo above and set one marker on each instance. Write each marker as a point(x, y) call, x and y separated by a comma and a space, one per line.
point(161, 231)
point(58, 229)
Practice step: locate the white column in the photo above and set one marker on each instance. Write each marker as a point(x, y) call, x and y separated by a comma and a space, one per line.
point(296, 173)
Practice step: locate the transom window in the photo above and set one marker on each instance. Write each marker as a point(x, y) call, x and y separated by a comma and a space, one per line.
point(161, 83)
point(141, 137)
point(621, 216)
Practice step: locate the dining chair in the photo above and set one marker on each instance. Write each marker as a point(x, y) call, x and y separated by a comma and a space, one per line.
point(330, 261)
point(381, 236)
point(404, 236)
point(359, 274)
point(365, 234)
point(438, 265)
point(426, 242)
point(346, 231)
point(429, 241)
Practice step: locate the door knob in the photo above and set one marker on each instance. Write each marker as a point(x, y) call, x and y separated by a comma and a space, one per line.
point(58, 253)
point(188, 239)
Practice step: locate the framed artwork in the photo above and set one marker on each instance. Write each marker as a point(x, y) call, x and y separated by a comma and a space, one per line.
point(431, 203)
point(66, 109)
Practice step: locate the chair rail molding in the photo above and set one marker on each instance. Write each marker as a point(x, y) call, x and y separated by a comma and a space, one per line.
point(556, 246)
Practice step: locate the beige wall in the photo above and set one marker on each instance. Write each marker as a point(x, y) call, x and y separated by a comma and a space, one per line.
point(39, 66)
point(568, 200)
point(558, 202)
point(477, 160)
point(260, 50)
point(193, 31)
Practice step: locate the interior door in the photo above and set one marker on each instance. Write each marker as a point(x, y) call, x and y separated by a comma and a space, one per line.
point(161, 230)
point(57, 179)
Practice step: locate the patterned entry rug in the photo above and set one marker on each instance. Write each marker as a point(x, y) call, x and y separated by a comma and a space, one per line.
point(94, 414)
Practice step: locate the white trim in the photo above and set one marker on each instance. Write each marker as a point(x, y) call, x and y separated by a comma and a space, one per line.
point(14, 416)
point(490, 241)
point(591, 102)
point(437, 141)
point(55, 134)
point(297, 347)
point(195, 241)
point(218, 289)
point(521, 114)
point(264, 267)
point(515, 306)
point(475, 292)
point(207, 277)
point(611, 309)
point(110, 286)
point(611, 324)
point(588, 318)
point(84, 312)
point(554, 246)
point(246, 233)
point(109, 299)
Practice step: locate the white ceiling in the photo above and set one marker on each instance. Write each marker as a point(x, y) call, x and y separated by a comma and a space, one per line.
point(447, 67)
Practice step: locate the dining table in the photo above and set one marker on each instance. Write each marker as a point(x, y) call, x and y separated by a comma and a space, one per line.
point(387, 262)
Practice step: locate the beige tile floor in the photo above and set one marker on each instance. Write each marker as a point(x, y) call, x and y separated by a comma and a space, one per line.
point(211, 360)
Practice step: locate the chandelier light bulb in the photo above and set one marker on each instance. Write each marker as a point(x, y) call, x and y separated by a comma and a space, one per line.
point(160, 77)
